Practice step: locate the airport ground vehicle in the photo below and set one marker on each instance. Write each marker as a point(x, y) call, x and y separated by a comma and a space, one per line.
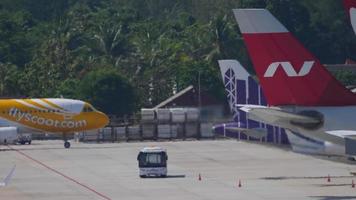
point(24, 138)
point(8, 135)
point(152, 161)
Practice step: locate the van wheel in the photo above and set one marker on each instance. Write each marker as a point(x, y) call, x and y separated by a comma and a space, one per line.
point(142, 176)
point(22, 142)
point(66, 144)
point(29, 142)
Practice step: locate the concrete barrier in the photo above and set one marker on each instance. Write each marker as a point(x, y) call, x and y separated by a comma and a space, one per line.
point(134, 133)
point(120, 133)
point(148, 131)
point(164, 131)
point(206, 130)
point(90, 135)
point(191, 130)
point(163, 115)
point(178, 115)
point(148, 115)
point(193, 115)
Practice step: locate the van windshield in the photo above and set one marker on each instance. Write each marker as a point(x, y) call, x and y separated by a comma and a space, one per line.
point(152, 159)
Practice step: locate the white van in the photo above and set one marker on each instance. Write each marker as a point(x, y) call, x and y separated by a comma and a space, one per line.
point(9, 135)
point(152, 161)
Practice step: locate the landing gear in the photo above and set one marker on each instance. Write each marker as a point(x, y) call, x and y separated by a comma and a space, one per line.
point(66, 143)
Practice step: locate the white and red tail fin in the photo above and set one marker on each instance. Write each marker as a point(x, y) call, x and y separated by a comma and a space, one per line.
point(350, 7)
point(289, 74)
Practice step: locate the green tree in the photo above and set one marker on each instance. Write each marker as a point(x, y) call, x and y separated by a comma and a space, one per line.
point(16, 40)
point(109, 92)
point(346, 77)
point(68, 89)
point(9, 81)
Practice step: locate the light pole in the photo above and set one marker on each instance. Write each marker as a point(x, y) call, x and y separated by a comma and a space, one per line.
point(199, 95)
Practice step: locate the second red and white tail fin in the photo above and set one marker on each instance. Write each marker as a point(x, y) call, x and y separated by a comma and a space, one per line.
point(350, 7)
point(289, 74)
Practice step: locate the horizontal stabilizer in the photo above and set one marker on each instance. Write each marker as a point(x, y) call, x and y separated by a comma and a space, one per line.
point(257, 133)
point(275, 115)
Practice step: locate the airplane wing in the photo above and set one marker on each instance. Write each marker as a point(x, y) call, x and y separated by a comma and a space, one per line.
point(275, 115)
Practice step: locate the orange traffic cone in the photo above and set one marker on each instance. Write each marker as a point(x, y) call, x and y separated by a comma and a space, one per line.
point(353, 184)
point(328, 178)
point(199, 177)
point(239, 185)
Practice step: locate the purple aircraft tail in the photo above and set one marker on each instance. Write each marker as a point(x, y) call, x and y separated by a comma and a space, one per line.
point(241, 88)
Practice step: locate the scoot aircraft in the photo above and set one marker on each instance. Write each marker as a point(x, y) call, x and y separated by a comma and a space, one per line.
point(302, 96)
point(242, 89)
point(59, 116)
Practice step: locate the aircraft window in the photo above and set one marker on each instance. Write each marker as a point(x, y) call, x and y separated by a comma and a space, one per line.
point(88, 108)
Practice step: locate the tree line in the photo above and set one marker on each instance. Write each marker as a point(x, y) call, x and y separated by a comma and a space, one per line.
point(121, 55)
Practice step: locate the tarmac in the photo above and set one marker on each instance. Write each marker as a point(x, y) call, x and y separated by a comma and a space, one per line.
point(45, 170)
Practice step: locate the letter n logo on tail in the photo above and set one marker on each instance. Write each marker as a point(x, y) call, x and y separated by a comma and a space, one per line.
point(289, 69)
